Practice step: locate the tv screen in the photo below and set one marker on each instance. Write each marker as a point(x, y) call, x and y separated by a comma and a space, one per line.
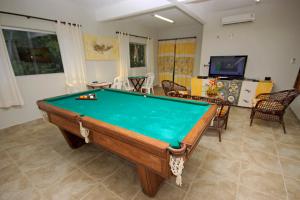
point(227, 66)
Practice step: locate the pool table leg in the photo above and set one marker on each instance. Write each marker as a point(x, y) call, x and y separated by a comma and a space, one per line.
point(73, 140)
point(150, 181)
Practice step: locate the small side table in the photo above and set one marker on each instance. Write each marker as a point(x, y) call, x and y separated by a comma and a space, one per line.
point(99, 85)
point(137, 81)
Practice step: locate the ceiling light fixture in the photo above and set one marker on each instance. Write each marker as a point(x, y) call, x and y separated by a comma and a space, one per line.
point(163, 18)
point(257, 1)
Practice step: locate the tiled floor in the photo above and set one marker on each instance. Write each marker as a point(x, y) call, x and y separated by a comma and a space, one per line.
point(256, 163)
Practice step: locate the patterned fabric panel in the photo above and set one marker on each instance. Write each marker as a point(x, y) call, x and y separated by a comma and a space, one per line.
point(166, 54)
point(184, 61)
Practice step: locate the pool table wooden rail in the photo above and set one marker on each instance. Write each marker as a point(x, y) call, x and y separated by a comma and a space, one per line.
point(150, 155)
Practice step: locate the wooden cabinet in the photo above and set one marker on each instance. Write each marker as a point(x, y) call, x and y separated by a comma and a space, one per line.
point(238, 92)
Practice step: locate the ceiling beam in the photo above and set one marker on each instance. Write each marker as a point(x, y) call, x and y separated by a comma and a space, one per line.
point(184, 8)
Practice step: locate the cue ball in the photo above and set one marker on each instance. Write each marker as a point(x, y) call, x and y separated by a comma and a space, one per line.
point(145, 96)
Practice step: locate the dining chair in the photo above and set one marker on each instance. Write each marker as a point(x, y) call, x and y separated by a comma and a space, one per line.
point(148, 87)
point(117, 84)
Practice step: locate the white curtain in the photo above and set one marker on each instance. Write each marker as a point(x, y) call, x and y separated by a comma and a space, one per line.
point(9, 91)
point(150, 56)
point(72, 54)
point(124, 56)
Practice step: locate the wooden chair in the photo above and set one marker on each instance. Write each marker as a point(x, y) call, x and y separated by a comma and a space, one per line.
point(171, 86)
point(221, 119)
point(272, 106)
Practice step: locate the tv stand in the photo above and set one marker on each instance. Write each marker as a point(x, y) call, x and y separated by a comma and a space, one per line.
point(238, 92)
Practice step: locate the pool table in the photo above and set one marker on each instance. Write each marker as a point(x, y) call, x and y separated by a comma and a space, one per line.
point(144, 129)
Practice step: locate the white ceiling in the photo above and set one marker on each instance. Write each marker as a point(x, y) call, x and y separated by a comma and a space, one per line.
point(106, 10)
point(180, 19)
point(95, 4)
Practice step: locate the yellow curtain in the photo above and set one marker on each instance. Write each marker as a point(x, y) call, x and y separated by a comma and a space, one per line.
point(166, 59)
point(184, 61)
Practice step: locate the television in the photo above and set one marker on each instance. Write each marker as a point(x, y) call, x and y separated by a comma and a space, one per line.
point(228, 66)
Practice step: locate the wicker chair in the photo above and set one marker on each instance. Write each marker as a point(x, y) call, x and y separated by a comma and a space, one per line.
point(221, 119)
point(171, 86)
point(272, 106)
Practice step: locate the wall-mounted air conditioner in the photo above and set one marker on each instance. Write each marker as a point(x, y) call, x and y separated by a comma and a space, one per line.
point(249, 17)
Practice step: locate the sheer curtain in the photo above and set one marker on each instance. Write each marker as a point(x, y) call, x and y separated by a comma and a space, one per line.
point(124, 55)
point(72, 54)
point(9, 91)
point(150, 56)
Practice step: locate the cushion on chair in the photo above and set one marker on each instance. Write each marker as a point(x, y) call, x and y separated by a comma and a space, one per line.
point(223, 111)
point(183, 92)
point(254, 102)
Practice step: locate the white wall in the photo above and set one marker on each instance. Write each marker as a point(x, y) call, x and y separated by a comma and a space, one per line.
point(270, 42)
point(110, 28)
point(185, 31)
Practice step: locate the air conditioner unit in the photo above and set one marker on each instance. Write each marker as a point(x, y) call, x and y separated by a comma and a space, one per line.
point(249, 17)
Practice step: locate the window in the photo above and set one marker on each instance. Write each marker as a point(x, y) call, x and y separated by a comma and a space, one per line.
point(137, 55)
point(33, 52)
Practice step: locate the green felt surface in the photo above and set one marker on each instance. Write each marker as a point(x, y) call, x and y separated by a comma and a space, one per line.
point(162, 118)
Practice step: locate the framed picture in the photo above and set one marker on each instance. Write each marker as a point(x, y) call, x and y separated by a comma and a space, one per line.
point(137, 55)
point(100, 48)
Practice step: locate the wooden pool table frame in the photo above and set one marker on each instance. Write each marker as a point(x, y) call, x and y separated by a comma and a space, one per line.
point(151, 156)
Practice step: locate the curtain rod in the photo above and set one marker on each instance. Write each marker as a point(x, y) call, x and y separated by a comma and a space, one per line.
point(33, 17)
point(118, 32)
point(178, 38)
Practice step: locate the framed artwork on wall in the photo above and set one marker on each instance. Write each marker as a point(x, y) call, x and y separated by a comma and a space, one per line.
point(100, 48)
point(137, 55)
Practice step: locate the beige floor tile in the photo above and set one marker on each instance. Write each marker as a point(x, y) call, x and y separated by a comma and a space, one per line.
point(13, 185)
point(289, 151)
point(8, 142)
point(104, 165)
point(100, 192)
point(124, 182)
point(291, 168)
point(233, 133)
point(227, 149)
point(32, 156)
point(48, 174)
point(261, 159)
point(73, 186)
point(5, 160)
point(288, 139)
point(261, 130)
point(262, 181)
point(293, 188)
point(263, 144)
point(290, 130)
point(249, 194)
point(221, 166)
point(166, 191)
point(84, 154)
point(62, 148)
point(209, 187)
